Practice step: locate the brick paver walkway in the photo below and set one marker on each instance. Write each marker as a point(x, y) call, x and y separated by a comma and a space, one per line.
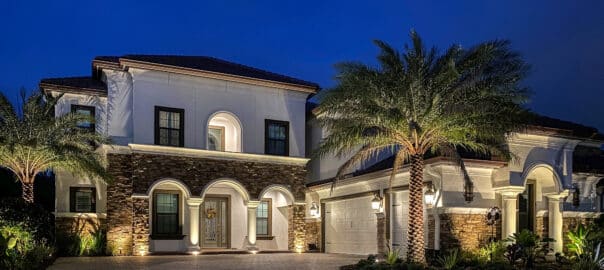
point(289, 261)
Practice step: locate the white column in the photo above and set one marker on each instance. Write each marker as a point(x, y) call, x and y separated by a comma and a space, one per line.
point(193, 205)
point(508, 219)
point(251, 224)
point(555, 222)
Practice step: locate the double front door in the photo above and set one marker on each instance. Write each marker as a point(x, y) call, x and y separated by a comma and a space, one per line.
point(215, 222)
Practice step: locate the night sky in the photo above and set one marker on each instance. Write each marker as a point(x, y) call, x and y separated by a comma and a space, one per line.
point(562, 40)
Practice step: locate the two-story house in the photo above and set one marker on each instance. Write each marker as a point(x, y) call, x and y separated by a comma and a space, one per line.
point(211, 155)
point(205, 154)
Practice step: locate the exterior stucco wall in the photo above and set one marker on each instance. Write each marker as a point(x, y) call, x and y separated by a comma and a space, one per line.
point(202, 97)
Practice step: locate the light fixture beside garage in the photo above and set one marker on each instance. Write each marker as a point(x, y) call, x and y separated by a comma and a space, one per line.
point(376, 202)
point(314, 210)
point(429, 195)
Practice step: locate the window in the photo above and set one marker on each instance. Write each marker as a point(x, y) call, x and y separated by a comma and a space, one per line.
point(87, 111)
point(276, 137)
point(263, 218)
point(82, 199)
point(169, 126)
point(166, 212)
point(216, 138)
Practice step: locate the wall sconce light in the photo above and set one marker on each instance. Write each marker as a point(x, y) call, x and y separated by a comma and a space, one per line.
point(314, 210)
point(376, 202)
point(576, 195)
point(468, 191)
point(429, 195)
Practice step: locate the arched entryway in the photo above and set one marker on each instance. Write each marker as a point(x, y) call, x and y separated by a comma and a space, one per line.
point(272, 218)
point(536, 205)
point(223, 215)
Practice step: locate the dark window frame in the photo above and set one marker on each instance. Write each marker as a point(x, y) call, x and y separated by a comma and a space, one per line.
point(267, 124)
point(269, 220)
point(91, 109)
point(72, 199)
point(178, 233)
point(181, 137)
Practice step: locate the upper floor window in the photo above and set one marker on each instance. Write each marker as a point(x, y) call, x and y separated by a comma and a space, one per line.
point(169, 126)
point(216, 138)
point(276, 140)
point(87, 111)
point(82, 199)
point(224, 132)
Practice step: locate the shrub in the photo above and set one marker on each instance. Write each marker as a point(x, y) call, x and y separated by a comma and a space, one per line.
point(527, 246)
point(20, 250)
point(31, 216)
point(594, 262)
point(578, 241)
point(74, 244)
point(450, 260)
point(492, 252)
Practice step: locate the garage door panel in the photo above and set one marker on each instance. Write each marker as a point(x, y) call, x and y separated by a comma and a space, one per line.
point(350, 226)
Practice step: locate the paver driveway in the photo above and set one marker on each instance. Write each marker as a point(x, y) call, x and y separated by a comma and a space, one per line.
point(267, 261)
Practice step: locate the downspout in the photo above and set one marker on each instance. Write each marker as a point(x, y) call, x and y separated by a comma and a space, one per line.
point(434, 209)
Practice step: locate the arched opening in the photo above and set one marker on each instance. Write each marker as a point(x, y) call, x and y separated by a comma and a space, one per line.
point(167, 215)
point(223, 215)
point(540, 181)
point(224, 132)
point(272, 218)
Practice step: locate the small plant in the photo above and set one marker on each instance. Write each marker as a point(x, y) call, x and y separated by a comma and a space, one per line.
point(492, 252)
point(392, 256)
point(527, 246)
point(594, 262)
point(578, 241)
point(450, 260)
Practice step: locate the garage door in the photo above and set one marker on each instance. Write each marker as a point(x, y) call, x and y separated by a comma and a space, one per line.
point(350, 226)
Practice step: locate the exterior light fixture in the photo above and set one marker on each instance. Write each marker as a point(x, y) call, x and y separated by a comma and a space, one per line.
point(576, 196)
point(429, 195)
point(314, 210)
point(194, 253)
point(468, 191)
point(376, 203)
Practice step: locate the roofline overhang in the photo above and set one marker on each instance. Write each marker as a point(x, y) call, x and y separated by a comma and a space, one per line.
point(46, 87)
point(490, 164)
point(129, 63)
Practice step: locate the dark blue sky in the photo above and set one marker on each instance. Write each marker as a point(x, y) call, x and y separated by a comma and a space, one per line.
point(562, 40)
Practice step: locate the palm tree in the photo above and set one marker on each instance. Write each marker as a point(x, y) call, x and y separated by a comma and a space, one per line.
point(422, 102)
point(33, 140)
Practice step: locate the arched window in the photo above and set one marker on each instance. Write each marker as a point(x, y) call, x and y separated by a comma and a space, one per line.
point(224, 132)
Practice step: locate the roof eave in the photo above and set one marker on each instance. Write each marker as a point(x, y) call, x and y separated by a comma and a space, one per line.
point(127, 63)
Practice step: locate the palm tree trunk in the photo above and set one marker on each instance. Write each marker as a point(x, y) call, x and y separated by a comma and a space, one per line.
point(28, 190)
point(415, 243)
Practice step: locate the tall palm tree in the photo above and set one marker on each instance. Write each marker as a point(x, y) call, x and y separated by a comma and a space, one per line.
point(422, 102)
point(33, 140)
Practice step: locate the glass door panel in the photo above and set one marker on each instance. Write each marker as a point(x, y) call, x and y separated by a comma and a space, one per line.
point(215, 217)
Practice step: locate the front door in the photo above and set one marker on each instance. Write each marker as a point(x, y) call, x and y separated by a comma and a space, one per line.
point(526, 208)
point(215, 217)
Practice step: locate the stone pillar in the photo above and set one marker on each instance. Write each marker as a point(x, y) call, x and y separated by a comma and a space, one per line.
point(296, 229)
point(509, 215)
point(193, 205)
point(140, 225)
point(251, 224)
point(381, 233)
point(555, 222)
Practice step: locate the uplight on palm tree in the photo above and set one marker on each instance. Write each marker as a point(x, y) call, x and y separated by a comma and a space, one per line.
point(419, 102)
point(33, 140)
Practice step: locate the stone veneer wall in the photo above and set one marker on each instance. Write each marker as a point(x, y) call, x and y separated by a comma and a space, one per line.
point(119, 205)
point(127, 218)
point(313, 233)
point(465, 231)
point(79, 225)
point(140, 225)
point(296, 229)
point(570, 223)
point(542, 226)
